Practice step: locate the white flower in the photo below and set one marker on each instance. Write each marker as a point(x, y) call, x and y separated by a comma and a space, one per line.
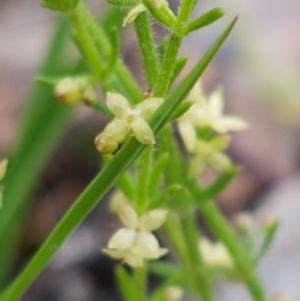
point(128, 120)
point(206, 111)
point(210, 153)
point(215, 254)
point(3, 168)
point(134, 243)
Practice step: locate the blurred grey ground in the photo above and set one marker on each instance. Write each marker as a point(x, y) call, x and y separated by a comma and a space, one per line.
point(259, 68)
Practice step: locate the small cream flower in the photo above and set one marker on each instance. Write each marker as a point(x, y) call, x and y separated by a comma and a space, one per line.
point(207, 111)
point(134, 243)
point(215, 254)
point(210, 153)
point(3, 168)
point(128, 120)
point(70, 90)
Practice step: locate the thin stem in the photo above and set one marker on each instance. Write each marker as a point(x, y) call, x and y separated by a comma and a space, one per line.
point(87, 44)
point(203, 283)
point(143, 179)
point(185, 9)
point(168, 65)
point(121, 78)
point(147, 48)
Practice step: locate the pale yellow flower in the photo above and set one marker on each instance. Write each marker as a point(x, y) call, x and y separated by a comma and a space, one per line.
point(215, 254)
point(210, 153)
point(206, 111)
point(128, 120)
point(134, 243)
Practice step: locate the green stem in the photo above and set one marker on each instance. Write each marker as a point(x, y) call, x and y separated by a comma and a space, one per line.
point(203, 283)
point(147, 48)
point(121, 79)
point(178, 232)
point(185, 10)
point(224, 232)
point(167, 69)
point(141, 198)
point(86, 43)
point(187, 234)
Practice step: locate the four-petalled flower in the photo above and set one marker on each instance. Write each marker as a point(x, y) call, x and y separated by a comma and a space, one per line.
point(128, 120)
point(134, 243)
point(206, 112)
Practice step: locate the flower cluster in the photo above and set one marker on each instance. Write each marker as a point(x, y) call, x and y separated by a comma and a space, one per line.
point(206, 113)
point(128, 120)
point(134, 243)
point(3, 168)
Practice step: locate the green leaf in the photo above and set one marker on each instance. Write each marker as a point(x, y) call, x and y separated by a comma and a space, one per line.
point(270, 231)
point(35, 142)
point(184, 107)
point(202, 195)
point(60, 5)
point(179, 65)
point(206, 19)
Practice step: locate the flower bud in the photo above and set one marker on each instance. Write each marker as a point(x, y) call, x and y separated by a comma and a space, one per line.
point(72, 90)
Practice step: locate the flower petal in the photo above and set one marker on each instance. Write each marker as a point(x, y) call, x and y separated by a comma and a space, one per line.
point(149, 106)
point(220, 161)
point(117, 104)
point(114, 133)
point(196, 94)
point(216, 103)
point(142, 131)
point(188, 134)
point(153, 219)
point(122, 239)
point(149, 246)
point(134, 257)
point(228, 123)
point(127, 214)
point(114, 253)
